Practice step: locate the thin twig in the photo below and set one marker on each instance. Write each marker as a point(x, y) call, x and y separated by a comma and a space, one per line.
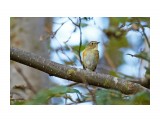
point(70, 48)
point(68, 97)
point(65, 97)
point(146, 38)
point(70, 35)
point(79, 102)
point(73, 22)
point(19, 70)
point(91, 93)
point(54, 33)
point(126, 76)
point(73, 84)
point(139, 70)
point(63, 52)
point(80, 43)
point(59, 23)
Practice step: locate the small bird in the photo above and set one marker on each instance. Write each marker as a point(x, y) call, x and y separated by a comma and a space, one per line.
point(90, 56)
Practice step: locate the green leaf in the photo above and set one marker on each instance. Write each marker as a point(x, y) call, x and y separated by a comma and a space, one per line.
point(112, 97)
point(76, 48)
point(87, 18)
point(142, 55)
point(83, 25)
point(113, 73)
point(62, 90)
point(147, 71)
point(43, 96)
point(141, 98)
point(113, 49)
point(115, 21)
point(109, 97)
point(17, 102)
point(145, 19)
point(122, 19)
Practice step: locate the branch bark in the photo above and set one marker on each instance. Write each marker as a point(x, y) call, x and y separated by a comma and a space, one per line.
point(74, 74)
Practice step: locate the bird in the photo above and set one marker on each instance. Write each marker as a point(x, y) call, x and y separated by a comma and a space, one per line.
point(90, 56)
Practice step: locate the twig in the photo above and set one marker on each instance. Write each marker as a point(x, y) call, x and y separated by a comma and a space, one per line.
point(86, 86)
point(59, 23)
point(73, 101)
point(70, 48)
point(146, 38)
point(79, 102)
point(68, 97)
point(65, 97)
point(54, 33)
point(19, 70)
point(139, 56)
point(63, 52)
point(139, 69)
point(126, 76)
point(73, 84)
point(73, 22)
point(70, 35)
point(80, 43)
point(91, 93)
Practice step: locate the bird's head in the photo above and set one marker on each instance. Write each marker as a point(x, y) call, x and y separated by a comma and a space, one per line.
point(93, 45)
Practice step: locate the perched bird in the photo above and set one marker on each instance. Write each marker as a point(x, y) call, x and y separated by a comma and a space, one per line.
point(90, 56)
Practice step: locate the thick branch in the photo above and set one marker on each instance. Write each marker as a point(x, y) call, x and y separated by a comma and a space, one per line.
point(74, 74)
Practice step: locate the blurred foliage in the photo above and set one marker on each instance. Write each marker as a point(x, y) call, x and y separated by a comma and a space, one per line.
point(17, 102)
point(87, 18)
point(141, 98)
point(108, 97)
point(116, 33)
point(83, 25)
point(112, 97)
point(117, 40)
point(103, 97)
point(113, 49)
point(12, 22)
point(60, 91)
point(113, 73)
point(76, 48)
point(115, 21)
point(142, 55)
point(44, 96)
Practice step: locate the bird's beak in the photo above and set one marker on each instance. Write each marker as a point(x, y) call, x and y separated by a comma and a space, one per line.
point(98, 42)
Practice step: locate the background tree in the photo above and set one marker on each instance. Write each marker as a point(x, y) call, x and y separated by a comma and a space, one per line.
point(25, 33)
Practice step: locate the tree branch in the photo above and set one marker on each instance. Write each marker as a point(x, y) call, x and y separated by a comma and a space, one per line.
point(146, 38)
point(74, 74)
point(80, 43)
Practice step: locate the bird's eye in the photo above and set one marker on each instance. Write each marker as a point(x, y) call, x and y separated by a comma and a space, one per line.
point(92, 43)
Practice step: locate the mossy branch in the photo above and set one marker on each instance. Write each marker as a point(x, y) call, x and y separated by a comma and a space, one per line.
point(74, 74)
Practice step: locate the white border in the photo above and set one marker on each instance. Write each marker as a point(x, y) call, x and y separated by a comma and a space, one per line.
point(79, 8)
